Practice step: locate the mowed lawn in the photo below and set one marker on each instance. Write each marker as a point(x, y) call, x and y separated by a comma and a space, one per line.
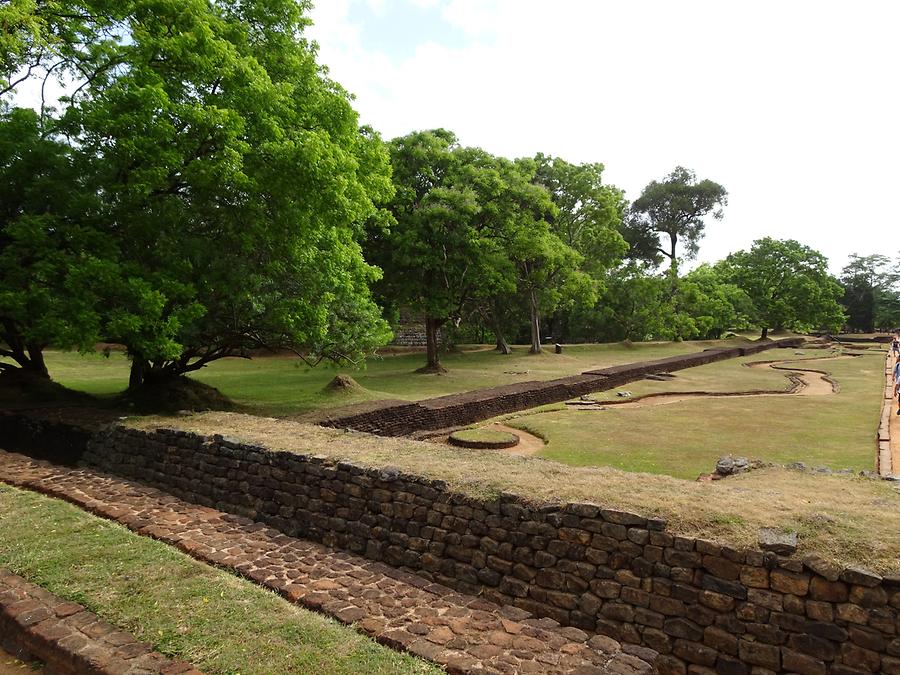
point(284, 385)
point(685, 438)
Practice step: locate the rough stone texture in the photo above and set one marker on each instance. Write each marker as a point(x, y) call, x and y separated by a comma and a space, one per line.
point(596, 569)
point(782, 543)
point(67, 638)
point(399, 418)
point(462, 632)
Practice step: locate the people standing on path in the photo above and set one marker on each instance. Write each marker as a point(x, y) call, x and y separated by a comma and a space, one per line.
point(897, 382)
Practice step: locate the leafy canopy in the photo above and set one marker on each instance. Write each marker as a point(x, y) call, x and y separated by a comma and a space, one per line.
point(234, 176)
point(676, 207)
point(788, 283)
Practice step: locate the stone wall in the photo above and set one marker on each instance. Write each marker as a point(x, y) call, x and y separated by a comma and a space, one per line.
point(402, 418)
point(703, 607)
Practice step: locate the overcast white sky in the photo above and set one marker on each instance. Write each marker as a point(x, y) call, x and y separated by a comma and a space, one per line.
point(793, 105)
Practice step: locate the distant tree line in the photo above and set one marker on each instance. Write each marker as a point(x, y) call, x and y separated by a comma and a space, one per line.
point(539, 247)
point(204, 189)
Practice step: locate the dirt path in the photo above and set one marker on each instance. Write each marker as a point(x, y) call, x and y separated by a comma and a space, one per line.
point(529, 444)
point(892, 464)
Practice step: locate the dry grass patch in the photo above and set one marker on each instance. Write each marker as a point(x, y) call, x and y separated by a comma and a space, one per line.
point(845, 518)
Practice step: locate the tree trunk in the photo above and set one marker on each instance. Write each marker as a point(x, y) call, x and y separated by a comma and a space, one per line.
point(29, 356)
point(136, 376)
point(535, 324)
point(37, 367)
point(765, 333)
point(433, 364)
point(502, 346)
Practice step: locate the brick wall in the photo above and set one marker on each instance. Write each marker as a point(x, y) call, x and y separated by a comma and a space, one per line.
point(705, 608)
point(400, 419)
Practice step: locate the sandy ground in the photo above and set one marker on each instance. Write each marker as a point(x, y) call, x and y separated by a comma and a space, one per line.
point(809, 383)
point(529, 444)
point(10, 665)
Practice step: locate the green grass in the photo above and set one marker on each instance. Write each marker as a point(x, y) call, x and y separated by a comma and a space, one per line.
point(685, 438)
point(482, 436)
point(184, 608)
point(277, 385)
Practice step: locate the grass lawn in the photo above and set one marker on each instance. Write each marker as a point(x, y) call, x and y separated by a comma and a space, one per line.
point(685, 438)
point(844, 518)
point(186, 609)
point(278, 385)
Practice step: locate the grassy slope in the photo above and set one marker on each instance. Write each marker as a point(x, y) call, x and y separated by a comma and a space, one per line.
point(685, 438)
point(845, 518)
point(184, 608)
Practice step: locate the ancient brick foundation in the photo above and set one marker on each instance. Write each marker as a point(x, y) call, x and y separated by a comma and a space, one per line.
point(704, 607)
point(397, 418)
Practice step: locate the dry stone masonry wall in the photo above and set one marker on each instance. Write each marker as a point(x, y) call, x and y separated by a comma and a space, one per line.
point(703, 607)
point(398, 418)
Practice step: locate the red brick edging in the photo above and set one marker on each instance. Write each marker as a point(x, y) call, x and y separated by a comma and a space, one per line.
point(69, 639)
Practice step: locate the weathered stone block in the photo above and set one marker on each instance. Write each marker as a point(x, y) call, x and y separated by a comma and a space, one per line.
point(867, 596)
point(695, 652)
point(801, 663)
point(720, 640)
point(716, 601)
point(852, 613)
point(828, 591)
point(754, 577)
point(768, 656)
point(789, 582)
point(859, 657)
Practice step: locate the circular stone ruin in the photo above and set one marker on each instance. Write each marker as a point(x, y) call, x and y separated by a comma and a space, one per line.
point(483, 439)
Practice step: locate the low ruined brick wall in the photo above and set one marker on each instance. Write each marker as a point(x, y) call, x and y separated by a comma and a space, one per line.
point(401, 419)
point(70, 640)
point(705, 608)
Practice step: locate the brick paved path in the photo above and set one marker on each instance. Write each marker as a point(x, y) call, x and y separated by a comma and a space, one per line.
point(463, 633)
point(69, 639)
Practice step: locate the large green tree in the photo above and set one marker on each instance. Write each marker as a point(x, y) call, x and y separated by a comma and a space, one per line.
point(440, 251)
point(788, 283)
point(871, 296)
point(675, 208)
point(56, 266)
point(588, 219)
point(235, 182)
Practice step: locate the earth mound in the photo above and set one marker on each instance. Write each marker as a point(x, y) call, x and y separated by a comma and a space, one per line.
point(344, 384)
point(170, 395)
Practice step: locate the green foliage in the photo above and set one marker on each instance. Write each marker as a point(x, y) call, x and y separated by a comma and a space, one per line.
point(235, 182)
point(471, 232)
point(676, 208)
point(54, 262)
point(589, 213)
point(871, 296)
point(788, 283)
